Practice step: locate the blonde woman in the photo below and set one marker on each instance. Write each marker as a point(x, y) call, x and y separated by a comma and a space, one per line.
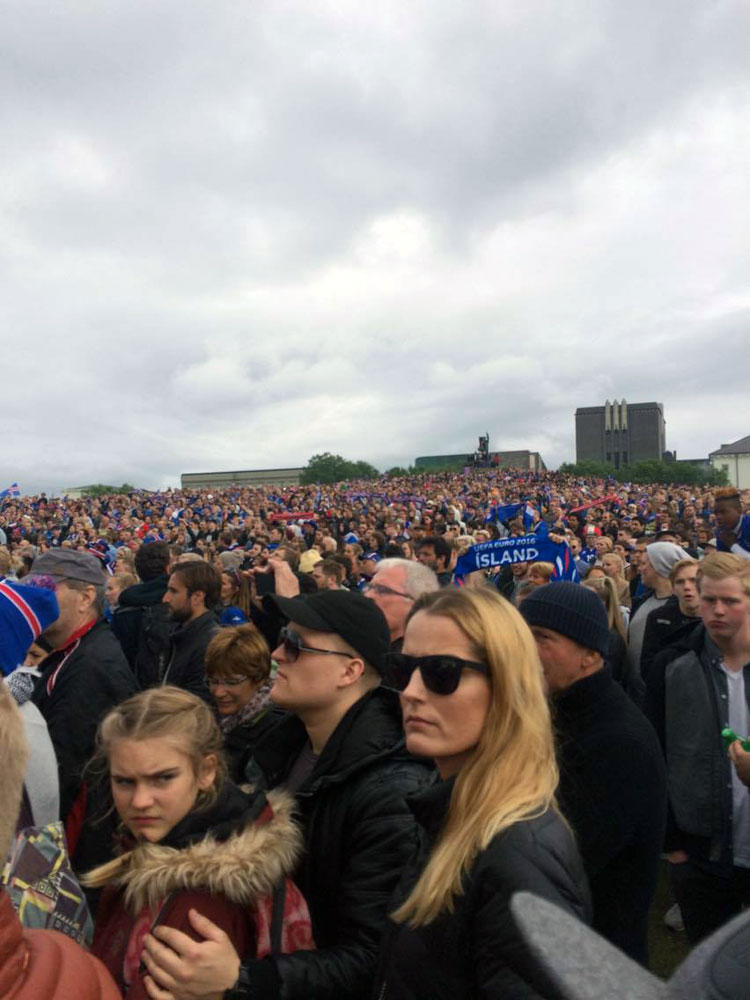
point(541, 573)
point(614, 566)
point(125, 560)
point(617, 654)
point(473, 700)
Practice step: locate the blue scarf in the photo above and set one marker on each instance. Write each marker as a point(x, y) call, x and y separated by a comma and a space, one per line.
point(527, 548)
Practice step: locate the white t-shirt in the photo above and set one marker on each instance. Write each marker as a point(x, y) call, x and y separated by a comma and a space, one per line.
point(739, 721)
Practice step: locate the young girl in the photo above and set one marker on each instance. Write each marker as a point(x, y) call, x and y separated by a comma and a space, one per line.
point(191, 839)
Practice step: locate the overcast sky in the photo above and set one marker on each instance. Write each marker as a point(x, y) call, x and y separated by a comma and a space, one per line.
point(236, 234)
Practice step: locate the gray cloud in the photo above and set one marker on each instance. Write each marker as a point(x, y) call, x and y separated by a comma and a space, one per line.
point(232, 238)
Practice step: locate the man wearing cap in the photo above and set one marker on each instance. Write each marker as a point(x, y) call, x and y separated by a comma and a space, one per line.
point(612, 778)
point(85, 675)
point(24, 613)
point(342, 754)
point(655, 566)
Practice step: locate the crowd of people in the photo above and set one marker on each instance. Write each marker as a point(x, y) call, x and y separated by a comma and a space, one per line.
point(299, 750)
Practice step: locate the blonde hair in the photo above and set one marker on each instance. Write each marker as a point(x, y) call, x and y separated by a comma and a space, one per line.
point(126, 556)
point(543, 569)
point(15, 756)
point(165, 713)
point(620, 562)
point(605, 587)
point(512, 774)
point(159, 713)
point(680, 565)
point(720, 565)
point(125, 580)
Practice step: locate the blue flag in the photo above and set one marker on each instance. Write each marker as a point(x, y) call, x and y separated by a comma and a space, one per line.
point(506, 513)
point(11, 491)
point(528, 517)
point(526, 548)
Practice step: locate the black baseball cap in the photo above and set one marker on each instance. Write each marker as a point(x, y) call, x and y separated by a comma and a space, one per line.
point(357, 619)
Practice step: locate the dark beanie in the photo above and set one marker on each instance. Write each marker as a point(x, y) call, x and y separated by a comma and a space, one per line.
point(571, 610)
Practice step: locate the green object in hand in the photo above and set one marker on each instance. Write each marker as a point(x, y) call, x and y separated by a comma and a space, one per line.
point(730, 736)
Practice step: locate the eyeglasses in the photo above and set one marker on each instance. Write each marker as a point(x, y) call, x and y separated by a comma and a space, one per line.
point(292, 643)
point(230, 682)
point(440, 674)
point(380, 588)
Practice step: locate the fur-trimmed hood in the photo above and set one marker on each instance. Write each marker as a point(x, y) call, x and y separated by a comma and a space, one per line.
point(244, 868)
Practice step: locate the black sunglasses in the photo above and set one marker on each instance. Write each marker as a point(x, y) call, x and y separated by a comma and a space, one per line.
point(440, 674)
point(293, 646)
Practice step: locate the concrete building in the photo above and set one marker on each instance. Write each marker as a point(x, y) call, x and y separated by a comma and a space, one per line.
point(620, 433)
point(734, 459)
point(530, 461)
point(244, 477)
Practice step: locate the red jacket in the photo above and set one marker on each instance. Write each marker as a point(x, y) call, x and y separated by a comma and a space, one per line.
point(231, 882)
point(46, 965)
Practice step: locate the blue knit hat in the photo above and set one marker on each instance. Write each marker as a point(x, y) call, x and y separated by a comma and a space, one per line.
point(25, 612)
point(571, 610)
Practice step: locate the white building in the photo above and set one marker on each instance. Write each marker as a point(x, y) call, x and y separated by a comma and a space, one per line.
point(734, 459)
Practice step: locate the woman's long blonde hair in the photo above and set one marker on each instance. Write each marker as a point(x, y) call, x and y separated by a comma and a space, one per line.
point(512, 774)
point(606, 588)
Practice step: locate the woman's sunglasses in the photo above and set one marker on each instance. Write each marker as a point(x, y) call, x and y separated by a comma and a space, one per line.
point(440, 674)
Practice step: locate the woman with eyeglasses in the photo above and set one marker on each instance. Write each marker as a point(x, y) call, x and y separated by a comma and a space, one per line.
point(238, 676)
point(472, 698)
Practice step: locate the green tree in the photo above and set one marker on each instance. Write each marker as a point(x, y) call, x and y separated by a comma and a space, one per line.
point(363, 470)
point(328, 468)
point(650, 471)
point(102, 489)
point(592, 470)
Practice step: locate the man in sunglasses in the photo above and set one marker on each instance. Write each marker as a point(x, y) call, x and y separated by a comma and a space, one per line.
point(341, 752)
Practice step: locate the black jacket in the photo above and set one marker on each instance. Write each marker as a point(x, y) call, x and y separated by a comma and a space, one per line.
point(359, 833)
point(664, 626)
point(613, 792)
point(477, 952)
point(686, 699)
point(78, 685)
point(182, 663)
point(240, 742)
point(126, 621)
point(617, 658)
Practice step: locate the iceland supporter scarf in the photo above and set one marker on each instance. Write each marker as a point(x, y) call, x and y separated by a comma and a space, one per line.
point(527, 548)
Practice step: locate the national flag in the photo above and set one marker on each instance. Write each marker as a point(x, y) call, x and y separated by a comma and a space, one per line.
point(12, 491)
point(528, 517)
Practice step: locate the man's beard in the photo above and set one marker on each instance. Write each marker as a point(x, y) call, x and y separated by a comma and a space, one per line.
point(179, 615)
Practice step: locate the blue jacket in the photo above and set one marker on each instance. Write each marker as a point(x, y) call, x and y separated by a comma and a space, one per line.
point(743, 536)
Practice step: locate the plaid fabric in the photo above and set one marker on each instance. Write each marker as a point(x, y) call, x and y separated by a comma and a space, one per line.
point(43, 889)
